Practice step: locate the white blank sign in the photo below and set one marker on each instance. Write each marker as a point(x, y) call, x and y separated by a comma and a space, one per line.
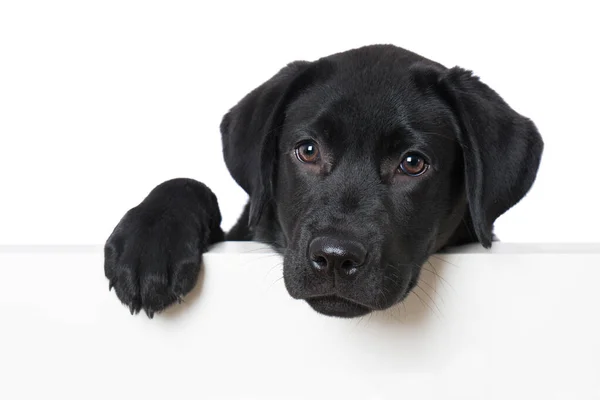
point(519, 321)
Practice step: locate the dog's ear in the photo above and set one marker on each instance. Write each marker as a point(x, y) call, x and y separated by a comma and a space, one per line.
point(502, 149)
point(250, 131)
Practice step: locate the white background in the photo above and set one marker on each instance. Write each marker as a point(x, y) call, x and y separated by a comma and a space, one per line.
point(100, 101)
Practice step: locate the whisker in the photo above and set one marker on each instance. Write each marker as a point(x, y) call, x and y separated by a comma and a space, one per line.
point(369, 319)
point(258, 249)
point(438, 275)
point(432, 288)
point(391, 279)
point(444, 260)
point(430, 298)
point(265, 257)
point(275, 281)
point(421, 300)
point(358, 321)
point(278, 265)
point(424, 303)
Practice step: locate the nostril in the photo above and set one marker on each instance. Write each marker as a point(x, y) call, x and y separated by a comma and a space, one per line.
point(320, 263)
point(349, 267)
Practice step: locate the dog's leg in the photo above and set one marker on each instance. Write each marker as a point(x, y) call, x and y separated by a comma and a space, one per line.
point(267, 231)
point(153, 257)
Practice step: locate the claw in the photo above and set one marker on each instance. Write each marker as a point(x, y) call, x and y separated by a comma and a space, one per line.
point(131, 309)
point(177, 297)
point(110, 285)
point(150, 313)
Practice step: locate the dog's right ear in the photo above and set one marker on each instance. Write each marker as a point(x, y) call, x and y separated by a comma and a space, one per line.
point(502, 149)
point(250, 130)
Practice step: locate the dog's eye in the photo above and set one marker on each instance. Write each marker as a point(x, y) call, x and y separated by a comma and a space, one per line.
point(414, 165)
point(308, 152)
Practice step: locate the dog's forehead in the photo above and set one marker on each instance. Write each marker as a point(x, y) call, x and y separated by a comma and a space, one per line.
point(366, 100)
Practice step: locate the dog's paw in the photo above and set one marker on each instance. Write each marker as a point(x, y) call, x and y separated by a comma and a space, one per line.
point(153, 257)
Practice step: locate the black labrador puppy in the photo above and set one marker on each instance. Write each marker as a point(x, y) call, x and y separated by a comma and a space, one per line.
point(359, 166)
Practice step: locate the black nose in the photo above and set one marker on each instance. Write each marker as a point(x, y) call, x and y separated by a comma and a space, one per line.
point(329, 254)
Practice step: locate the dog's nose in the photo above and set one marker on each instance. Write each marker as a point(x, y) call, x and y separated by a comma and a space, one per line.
point(329, 254)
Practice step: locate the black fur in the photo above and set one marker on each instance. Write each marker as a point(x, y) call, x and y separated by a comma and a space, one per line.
point(365, 109)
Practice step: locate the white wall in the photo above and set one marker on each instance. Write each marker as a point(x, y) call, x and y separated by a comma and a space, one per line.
point(101, 101)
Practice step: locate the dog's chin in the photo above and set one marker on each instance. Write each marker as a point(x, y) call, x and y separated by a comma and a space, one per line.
point(334, 306)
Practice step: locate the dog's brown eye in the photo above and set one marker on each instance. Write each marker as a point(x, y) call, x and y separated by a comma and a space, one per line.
point(308, 152)
point(414, 165)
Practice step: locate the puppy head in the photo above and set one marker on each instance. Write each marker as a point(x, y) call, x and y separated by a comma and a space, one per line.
point(368, 162)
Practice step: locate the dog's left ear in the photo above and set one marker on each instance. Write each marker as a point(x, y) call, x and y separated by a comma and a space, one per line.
point(502, 149)
point(250, 133)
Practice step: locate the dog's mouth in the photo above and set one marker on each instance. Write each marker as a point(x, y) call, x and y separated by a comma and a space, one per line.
point(335, 306)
